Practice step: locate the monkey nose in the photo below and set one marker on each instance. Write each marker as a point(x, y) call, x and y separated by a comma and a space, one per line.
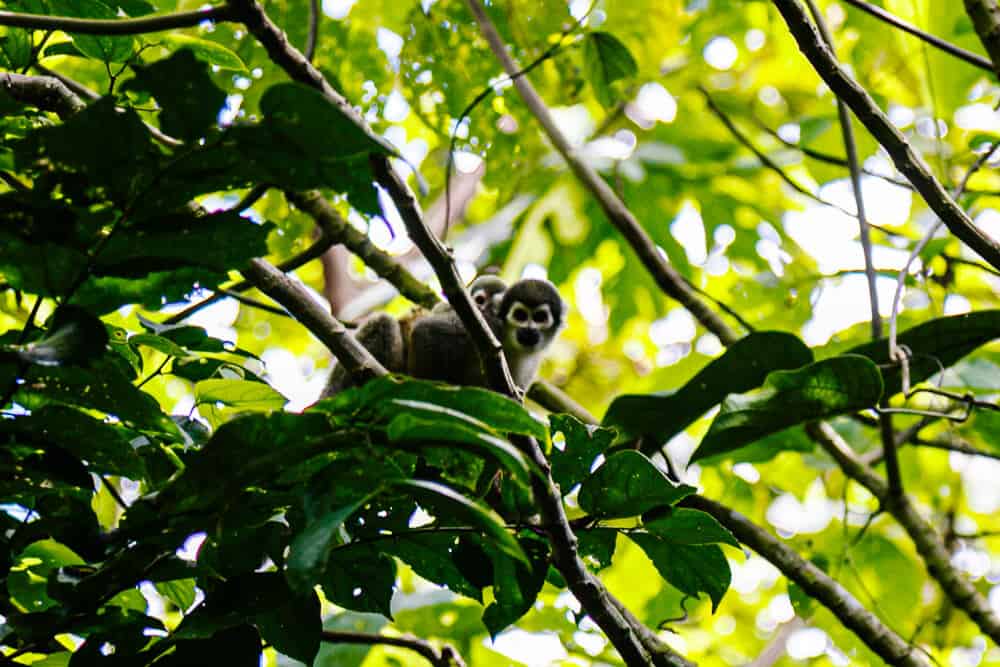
point(528, 337)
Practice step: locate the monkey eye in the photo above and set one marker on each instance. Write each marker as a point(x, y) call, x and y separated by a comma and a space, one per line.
point(542, 317)
point(480, 298)
point(519, 315)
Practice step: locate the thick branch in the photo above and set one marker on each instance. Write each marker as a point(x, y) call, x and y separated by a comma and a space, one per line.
point(138, 26)
point(618, 214)
point(817, 584)
point(335, 227)
point(446, 657)
point(296, 299)
point(959, 590)
point(45, 92)
point(949, 48)
point(985, 16)
point(620, 627)
point(903, 156)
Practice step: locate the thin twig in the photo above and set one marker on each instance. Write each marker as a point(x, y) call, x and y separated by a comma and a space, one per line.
point(312, 39)
point(666, 277)
point(907, 161)
point(937, 42)
point(445, 657)
point(851, 150)
point(763, 158)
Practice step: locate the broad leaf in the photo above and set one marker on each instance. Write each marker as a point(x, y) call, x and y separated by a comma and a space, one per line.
point(823, 389)
point(628, 484)
point(189, 97)
point(310, 549)
point(207, 51)
point(440, 497)
point(683, 525)
point(935, 344)
point(606, 60)
point(73, 336)
point(691, 569)
point(741, 368)
point(582, 445)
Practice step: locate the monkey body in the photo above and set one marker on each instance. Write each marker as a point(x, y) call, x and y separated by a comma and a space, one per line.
point(436, 346)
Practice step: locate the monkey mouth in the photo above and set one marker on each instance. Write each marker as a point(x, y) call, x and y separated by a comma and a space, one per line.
point(528, 338)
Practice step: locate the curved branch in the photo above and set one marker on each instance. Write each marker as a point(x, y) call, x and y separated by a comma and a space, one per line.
point(959, 590)
point(446, 657)
point(137, 26)
point(671, 282)
point(903, 156)
point(896, 22)
point(817, 584)
point(299, 302)
point(335, 227)
point(45, 92)
point(985, 16)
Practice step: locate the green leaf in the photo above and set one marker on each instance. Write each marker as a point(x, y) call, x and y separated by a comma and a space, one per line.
point(28, 578)
point(628, 484)
point(516, 584)
point(485, 410)
point(742, 367)
point(73, 336)
point(107, 49)
point(219, 241)
point(683, 525)
point(207, 51)
point(583, 444)
point(691, 569)
point(307, 119)
point(160, 344)
point(179, 591)
point(935, 344)
point(102, 386)
point(294, 627)
point(310, 549)
point(105, 447)
point(438, 496)
point(431, 555)
point(456, 432)
point(189, 97)
point(360, 577)
point(606, 60)
point(241, 394)
point(596, 547)
point(823, 389)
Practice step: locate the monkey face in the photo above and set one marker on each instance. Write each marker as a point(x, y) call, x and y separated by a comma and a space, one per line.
point(532, 313)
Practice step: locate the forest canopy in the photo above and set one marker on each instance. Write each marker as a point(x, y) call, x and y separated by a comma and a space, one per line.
point(767, 432)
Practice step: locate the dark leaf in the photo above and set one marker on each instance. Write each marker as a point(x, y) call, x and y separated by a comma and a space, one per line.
point(583, 444)
point(606, 60)
point(596, 547)
point(682, 525)
point(935, 344)
point(826, 388)
point(516, 584)
point(691, 569)
point(310, 549)
point(361, 578)
point(73, 336)
point(628, 484)
point(189, 97)
point(741, 368)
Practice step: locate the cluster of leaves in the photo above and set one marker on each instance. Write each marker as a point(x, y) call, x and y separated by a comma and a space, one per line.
point(334, 498)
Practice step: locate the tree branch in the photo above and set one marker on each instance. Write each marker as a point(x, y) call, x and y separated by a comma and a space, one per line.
point(335, 227)
point(446, 657)
point(904, 157)
point(985, 16)
point(45, 92)
point(949, 48)
point(361, 365)
point(817, 584)
point(959, 590)
point(617, 213)
point(135, 26)
point(622, 628)
point(851, 149)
